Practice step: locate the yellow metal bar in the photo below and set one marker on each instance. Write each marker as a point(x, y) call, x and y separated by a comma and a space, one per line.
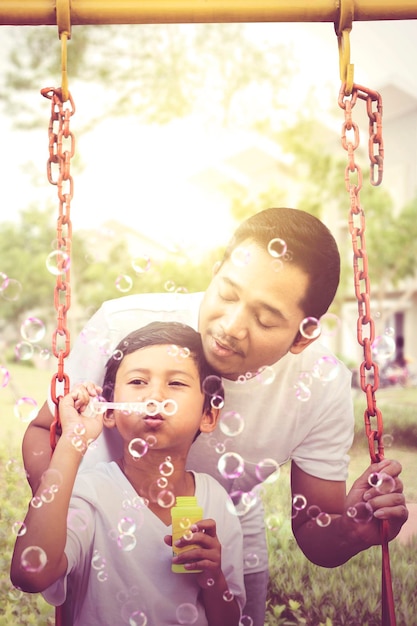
point(37, 12)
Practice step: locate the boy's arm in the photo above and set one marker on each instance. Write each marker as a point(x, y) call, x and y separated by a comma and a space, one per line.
point(38, 558)
point(36, 447)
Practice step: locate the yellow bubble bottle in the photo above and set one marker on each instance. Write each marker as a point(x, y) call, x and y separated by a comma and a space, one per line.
point(184, 514)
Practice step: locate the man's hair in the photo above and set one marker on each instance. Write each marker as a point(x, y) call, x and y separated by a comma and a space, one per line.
point(185, 342)
point(310, 246)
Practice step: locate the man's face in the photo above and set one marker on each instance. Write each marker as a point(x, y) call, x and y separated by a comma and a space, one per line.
point(250, 314)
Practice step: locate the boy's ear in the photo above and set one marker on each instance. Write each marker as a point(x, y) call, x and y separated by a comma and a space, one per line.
point(209, 420)
point(300, 343)
point(109, 419)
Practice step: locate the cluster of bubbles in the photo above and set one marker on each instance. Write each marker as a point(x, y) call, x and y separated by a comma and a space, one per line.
point(299, 503)
point(276, 248)
point(141, 264)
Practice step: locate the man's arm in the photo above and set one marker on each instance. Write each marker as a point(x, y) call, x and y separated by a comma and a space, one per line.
point(36, 447)
point(347, 524)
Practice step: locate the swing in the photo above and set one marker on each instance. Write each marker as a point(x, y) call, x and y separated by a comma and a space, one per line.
point(62, 147)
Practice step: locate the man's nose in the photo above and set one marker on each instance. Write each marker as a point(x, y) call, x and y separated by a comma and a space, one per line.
point(234, 322)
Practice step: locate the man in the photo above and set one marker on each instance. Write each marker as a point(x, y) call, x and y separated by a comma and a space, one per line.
point(258, 324)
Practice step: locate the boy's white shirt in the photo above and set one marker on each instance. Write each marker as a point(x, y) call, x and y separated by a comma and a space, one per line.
point(119, 564)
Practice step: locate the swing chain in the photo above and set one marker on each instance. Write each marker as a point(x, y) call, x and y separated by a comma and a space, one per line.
point(61, 150)
point(369, 372)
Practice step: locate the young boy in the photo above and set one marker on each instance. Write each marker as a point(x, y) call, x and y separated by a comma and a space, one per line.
point(102, 535)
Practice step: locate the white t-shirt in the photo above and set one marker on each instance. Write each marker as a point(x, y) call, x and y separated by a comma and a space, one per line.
point(118, 564)
point(299, 409)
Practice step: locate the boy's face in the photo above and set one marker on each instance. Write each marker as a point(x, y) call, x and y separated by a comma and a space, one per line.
point(251, 312)
point(160, 373)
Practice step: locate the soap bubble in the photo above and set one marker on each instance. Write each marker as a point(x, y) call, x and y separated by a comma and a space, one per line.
point(323, 519)
point(186, 613)
point(231, 423)
point(217, 402)
point(265, 375)
point(23, 351)
point(137, 447)
point(166, 498)
point(329, 324)
point(326, 368)
point(124, 283)
point(33, 559)
point(240, 256)
point(231, 465)
point(212, 385)
point(169, 285)
point(126, 526)
point(138, 618)
point(97, 561)
point(267, 471)
point(166, 468)
point(3, 280)
point(383, 348)
point(4, 376)
point(302, 391)
point(25, 409)
point(11, 290)
point(299, 502)
point(19, 529)
point(126, 542)
point(310, 328)
point(363, 513)
point(277, 247)
point(58, 262)
point(32, 329)
point(251, 560)
point(141, 264)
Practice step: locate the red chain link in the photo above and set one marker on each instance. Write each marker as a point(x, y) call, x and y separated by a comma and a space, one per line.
point(61, 150)
point(369, 373)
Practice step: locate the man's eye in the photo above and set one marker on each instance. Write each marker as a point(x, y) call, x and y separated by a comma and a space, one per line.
point(227, 296)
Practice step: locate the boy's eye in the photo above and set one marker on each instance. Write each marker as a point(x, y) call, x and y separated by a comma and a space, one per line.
point(178, 383)
point(137, 381)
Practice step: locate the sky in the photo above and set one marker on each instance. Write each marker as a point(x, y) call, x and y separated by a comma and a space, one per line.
point(154, 178)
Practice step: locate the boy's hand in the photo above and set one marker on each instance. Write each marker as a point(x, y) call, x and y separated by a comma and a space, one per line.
point(79, 424)
point(205, 556)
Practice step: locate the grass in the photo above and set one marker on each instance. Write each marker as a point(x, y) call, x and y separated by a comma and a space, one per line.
point(299, 592)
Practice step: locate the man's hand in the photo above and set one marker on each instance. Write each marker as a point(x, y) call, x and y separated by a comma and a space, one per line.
point(376, 495)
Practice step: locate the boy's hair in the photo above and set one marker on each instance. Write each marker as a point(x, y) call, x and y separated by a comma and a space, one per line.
point(172, 334)
point(311, 247)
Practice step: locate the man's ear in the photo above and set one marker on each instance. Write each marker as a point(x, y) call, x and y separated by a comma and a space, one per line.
point(300, 343)
point(109, 419)
point(216, 268)
point(209, 420)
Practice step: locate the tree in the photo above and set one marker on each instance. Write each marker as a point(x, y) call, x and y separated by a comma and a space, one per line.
point(157, 72)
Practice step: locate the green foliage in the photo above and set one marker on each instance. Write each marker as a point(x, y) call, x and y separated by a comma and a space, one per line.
point(26, 243)
point(349, 595)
